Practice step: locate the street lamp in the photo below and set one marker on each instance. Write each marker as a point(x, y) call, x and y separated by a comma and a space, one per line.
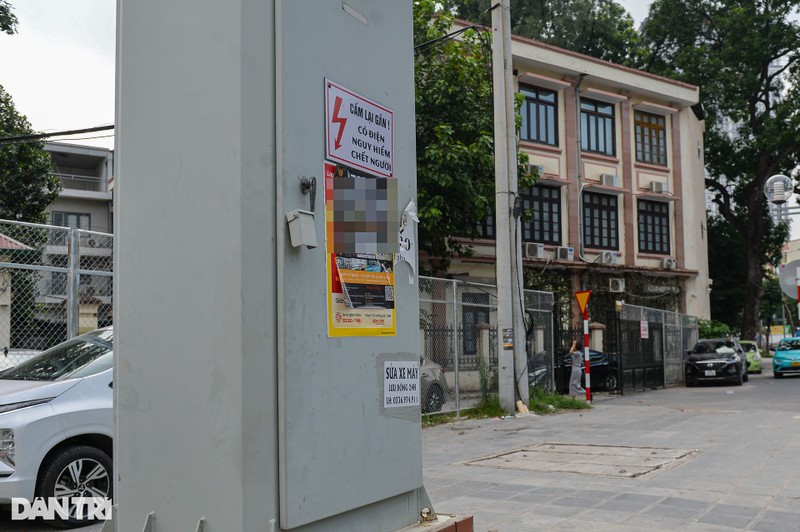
point(778, 189)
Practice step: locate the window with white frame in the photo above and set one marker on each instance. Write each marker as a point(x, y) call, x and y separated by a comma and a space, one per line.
point(539, 115)
point(544, 223)
point(597, 127)
point(651, 138)
point(654, 227)
point(600, 221)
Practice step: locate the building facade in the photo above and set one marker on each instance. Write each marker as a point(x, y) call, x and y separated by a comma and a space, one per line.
point(619, 206)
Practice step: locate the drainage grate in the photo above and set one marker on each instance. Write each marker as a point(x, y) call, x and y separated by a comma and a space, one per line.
point(596, 460)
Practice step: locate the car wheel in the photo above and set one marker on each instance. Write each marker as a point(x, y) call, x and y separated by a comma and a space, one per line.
point(739, 378)
point(746, 377)
point(434, 400)
point(777, 375)
point(78, 471)
point(610, 382)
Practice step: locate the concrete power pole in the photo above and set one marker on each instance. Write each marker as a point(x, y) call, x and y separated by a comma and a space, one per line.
point(510, 337)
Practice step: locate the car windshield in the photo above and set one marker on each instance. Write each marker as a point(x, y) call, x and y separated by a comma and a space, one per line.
point(788, 344)
point(711, 346)
point(85, 355)
point(748, 347)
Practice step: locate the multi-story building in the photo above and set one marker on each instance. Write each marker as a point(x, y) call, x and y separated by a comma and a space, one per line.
point(619, 207)
point(85, 203)
point(86, 175)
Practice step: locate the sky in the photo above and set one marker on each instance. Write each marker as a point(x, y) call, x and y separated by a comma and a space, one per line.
point(59, 67)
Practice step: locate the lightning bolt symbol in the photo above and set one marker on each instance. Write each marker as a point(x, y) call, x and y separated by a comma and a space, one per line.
point(337, 104)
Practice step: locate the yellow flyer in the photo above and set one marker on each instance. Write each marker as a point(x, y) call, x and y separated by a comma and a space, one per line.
point(361, 295)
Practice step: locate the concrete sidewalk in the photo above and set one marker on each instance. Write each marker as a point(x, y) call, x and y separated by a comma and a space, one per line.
point(716, 458)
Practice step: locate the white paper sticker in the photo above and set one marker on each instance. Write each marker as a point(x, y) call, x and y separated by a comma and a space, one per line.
point(400, 384)
point(406, 238)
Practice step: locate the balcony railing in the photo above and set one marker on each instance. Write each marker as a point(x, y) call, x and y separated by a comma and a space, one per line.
point(79, 182)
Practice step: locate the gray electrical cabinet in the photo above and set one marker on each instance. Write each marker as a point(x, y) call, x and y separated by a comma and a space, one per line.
point(266, 351)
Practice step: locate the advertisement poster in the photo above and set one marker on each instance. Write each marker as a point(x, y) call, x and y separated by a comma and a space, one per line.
point(361, 295)
point(361, 286)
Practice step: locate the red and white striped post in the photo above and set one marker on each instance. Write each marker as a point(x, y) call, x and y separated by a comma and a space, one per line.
point(583, 299)
point(586, 358)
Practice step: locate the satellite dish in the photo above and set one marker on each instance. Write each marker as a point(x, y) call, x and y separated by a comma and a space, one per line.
point(788, 278)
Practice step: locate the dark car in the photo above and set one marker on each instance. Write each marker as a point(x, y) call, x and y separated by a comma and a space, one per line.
point(716, 360)
point(604, 371)
point(433, 386)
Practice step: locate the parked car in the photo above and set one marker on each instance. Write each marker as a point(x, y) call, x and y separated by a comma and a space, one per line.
point(604, 371)
point(787, 358)
point(716, 360)
point(433, 386)
point(56, 423)
point(753, 354)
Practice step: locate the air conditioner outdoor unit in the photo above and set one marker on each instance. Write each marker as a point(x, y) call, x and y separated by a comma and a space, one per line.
point(669, 263)
point(531, 168)
point(616, 285)
point(610, 180)
point(608, 257)
point(564, 253)
point(658, 187)
point(533, 250)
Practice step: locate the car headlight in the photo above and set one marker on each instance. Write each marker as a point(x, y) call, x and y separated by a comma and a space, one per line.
point(7, 451)
point(10, 407)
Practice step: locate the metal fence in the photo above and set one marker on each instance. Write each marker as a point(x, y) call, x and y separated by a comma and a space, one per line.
point(55, 283)
point(458, 331)
point(652, 344)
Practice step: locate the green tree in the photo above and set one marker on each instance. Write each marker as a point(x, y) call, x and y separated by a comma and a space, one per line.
point(726, 264)
point(600, 28)
point(455, 158)
point(772, 303)
point(8, 21)
point(744, 57)
point(27, 185)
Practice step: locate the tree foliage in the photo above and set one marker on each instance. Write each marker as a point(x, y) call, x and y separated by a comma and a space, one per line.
point(600, 28)
point(8, 21)
point(743, 55)
point(454, 128)
point(27, 185)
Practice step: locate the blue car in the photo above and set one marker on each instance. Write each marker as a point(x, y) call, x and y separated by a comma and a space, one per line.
point(787, 358)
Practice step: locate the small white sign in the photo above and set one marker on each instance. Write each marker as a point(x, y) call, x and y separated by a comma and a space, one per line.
point(358, 131)
point(400, 384)
point(644, 329)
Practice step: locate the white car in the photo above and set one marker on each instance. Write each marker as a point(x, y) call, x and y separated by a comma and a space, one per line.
point(56, 423)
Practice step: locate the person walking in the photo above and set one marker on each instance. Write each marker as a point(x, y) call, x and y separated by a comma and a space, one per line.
point(576, 363)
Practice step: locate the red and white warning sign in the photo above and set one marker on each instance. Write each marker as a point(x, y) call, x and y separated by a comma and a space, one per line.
point(359, 132)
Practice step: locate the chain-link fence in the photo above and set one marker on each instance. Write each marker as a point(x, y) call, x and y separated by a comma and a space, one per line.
point(55, 283)
point(458, 332)
point(653, 344)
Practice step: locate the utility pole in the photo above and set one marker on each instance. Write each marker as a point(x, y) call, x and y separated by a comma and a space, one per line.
point(510, 337)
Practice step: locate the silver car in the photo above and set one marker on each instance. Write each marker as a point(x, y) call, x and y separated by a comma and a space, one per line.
point(433, 386)
point(56, 425)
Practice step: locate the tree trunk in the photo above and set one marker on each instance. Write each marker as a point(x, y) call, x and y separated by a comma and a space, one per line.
point(754, 230)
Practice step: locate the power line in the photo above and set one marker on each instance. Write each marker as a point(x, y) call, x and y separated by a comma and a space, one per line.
point(41, 136)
